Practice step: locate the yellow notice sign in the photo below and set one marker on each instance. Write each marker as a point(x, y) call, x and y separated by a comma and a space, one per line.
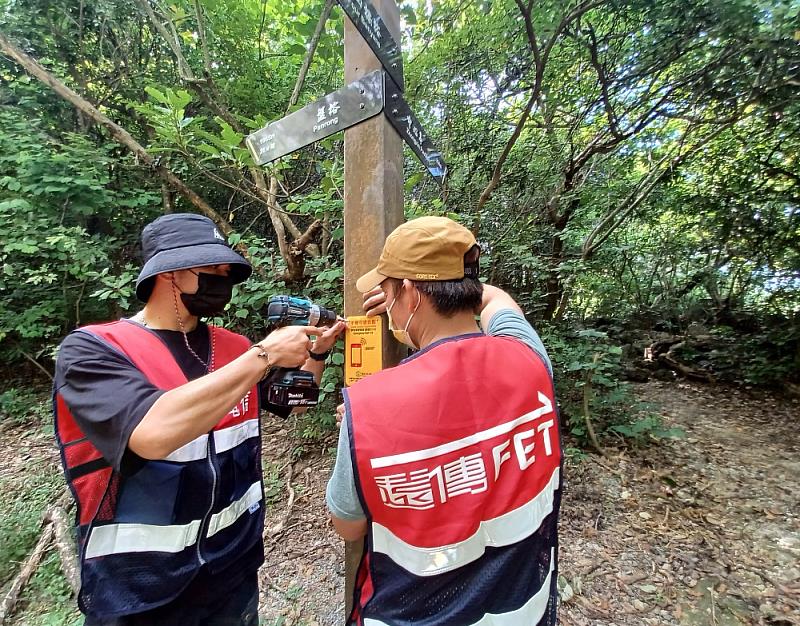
point(363, 347)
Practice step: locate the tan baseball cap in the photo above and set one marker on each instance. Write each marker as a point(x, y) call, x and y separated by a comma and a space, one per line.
point(426, 248)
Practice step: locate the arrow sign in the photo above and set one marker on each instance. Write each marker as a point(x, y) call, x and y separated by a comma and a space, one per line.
point(373, 29)
point(360, 100)
point(407, 125)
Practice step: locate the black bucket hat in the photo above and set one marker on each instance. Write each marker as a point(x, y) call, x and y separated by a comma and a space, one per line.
point(179, 241)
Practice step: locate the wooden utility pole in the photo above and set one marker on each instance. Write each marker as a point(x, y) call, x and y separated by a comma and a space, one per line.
point(373, 203)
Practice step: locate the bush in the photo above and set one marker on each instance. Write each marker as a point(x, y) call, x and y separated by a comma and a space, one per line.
point(19, 406)
point(593, 399)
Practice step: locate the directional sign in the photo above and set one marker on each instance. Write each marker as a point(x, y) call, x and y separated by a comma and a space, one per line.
point(373, 29)
point(341, 109)
point(408, 127)
point(359, 101)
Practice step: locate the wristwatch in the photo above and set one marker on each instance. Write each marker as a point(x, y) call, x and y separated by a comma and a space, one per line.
point(321, 356)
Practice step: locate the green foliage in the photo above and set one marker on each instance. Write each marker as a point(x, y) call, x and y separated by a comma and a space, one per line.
point(587, 372)
point(47, 599)
point(655, 181)
point(20, 515)
point(64, 219)
point(768, 356)
point(20, 406)
point(273, 484)
point(648, 427)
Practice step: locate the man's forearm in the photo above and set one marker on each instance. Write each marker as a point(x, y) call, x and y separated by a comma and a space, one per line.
point(349, 530)
point(316, 368)
point(186, 412)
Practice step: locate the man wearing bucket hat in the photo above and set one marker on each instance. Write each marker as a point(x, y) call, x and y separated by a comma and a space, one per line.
point(450, 463)
point(157, 420)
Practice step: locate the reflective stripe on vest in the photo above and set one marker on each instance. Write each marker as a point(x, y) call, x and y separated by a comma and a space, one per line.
point(462, 488)
point(121, 538)
point(224, 440)
point(504, 530)
point(220, 521)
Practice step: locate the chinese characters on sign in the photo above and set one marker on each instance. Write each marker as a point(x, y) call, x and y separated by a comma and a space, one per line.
point(360, 100)
point(408, 127)
point(363, 348)
point(436, 483)
point(381, 90)
point(323, 121)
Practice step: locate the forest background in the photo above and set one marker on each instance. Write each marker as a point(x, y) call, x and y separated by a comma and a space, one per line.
point(630, 168)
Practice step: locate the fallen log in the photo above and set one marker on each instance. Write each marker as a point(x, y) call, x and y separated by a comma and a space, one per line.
point(28, 568)
point(669, 359)
point(66, 547)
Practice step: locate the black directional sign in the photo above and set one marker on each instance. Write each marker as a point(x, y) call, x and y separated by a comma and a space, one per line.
point(373, 29)
point(408, 127)
point(360, 100)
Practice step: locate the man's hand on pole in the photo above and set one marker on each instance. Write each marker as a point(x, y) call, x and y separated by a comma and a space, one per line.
point(375, 302)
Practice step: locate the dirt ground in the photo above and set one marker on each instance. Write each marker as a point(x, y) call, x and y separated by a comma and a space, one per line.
point(703, 530)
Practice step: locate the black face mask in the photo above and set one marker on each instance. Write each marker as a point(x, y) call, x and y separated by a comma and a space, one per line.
point(213, 293)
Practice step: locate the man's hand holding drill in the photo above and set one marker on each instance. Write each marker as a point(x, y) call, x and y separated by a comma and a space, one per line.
point(289, 346)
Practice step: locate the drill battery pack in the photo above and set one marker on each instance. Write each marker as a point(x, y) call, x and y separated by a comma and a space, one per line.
point(292, 388)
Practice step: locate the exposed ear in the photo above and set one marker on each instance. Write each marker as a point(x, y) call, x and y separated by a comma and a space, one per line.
point(167, 276)
point(413, 292)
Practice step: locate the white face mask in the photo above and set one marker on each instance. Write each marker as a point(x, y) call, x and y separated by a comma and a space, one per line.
point(402, 335)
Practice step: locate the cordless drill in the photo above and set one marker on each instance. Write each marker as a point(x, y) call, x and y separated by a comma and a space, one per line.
point(294, 387)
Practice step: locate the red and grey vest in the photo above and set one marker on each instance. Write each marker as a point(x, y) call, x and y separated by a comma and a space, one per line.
point(457, 463)
point(143, 537)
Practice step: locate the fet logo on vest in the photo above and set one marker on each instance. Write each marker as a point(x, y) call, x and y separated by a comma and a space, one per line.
point(456, 453)
point(466, 493)
point(426, 479)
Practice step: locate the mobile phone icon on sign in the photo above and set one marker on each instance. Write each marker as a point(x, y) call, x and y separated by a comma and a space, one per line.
point(355, 354)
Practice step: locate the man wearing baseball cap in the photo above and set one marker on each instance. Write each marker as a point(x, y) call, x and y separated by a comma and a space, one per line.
point(157, 420)
point(449, 465)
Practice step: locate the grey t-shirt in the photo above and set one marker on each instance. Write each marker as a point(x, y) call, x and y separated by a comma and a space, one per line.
point(341, 493)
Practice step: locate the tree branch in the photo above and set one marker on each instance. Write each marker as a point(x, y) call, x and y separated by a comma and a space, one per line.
point(28, 569)
point(540, 64)
point(603, 80)
point(312, 47)
point(184, 70)
point(615, 218)
point(204, 88)
point(118, 133)
point(201, 33)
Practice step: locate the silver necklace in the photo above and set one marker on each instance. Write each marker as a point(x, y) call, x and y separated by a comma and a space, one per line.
point(139, 317)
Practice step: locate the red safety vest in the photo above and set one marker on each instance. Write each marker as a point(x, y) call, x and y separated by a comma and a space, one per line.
point(143, 537)
point(458, 467)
